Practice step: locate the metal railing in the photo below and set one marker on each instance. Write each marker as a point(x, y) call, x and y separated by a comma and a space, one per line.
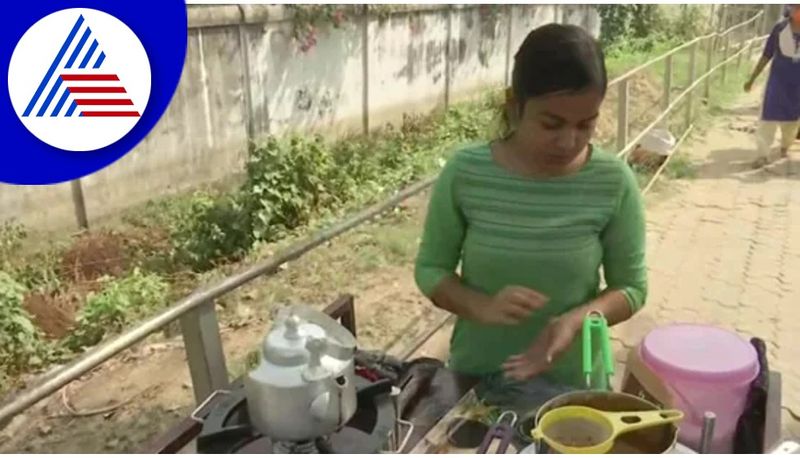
point(712, 41)
point(196, 312)
point(749, 34)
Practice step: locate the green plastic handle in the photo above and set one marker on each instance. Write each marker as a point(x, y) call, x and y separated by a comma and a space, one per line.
point(608, 355)
point(587, 348)
point(596, 321)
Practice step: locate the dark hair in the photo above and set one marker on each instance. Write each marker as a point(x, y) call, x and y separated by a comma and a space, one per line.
point(556, 58)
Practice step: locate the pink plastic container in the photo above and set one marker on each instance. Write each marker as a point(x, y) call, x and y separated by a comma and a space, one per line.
point(707, 369)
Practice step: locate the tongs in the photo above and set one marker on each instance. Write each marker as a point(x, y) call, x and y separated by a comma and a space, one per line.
point(595, 322)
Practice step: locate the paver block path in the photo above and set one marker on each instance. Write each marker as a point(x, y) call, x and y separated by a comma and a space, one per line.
point(724, 248)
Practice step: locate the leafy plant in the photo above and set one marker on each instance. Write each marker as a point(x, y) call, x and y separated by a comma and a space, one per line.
point(40, 271)
point(37, 271)
point(11, 238)
point(117, 304)
point(636, 28)
point(644, 23)
point(689, 24)
point(214, 229)
point(287, 184)
point(163, 212)
point(308, 19)
point(21, 344)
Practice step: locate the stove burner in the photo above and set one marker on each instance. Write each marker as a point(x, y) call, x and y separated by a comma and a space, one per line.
point(227, 427)
point(308, 447)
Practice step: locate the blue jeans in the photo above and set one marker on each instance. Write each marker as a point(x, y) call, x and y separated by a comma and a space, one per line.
point(523, 398)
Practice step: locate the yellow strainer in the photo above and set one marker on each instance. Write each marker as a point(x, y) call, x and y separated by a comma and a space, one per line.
point(579, 429)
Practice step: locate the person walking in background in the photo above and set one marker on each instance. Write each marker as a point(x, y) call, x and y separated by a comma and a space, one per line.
point(781, 105)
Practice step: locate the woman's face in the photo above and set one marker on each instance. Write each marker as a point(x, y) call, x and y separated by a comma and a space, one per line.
point(556, 128)
point(794, 13)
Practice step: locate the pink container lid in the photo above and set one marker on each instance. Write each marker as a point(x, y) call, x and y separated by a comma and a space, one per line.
point(700, 353)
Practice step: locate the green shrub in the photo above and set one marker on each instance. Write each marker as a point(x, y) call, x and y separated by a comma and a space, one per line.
point(287, 182)
point(40, 271)
point(117, 304)
point(35, 271)
point(641, 27)
point(294, 180)
point(21, 343)
point(213, 229)
point(11, 238)
point(689, 24)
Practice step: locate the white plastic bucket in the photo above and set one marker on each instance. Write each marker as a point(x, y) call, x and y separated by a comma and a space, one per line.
point(658, 141)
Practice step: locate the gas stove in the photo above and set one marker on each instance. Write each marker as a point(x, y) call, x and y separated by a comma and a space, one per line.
point(227, 427)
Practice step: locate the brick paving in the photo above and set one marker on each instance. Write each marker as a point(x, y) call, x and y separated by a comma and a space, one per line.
point(725, 249)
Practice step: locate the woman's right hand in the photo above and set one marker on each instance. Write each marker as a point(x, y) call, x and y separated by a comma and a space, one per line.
point(511, 305)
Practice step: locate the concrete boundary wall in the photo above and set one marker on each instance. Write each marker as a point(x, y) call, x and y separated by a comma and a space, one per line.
point(245, 77)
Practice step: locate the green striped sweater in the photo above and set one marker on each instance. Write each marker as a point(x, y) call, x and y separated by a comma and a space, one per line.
point(551, 235)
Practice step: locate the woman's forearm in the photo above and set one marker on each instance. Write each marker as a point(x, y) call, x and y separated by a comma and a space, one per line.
point(451, 295)
point(759, 68)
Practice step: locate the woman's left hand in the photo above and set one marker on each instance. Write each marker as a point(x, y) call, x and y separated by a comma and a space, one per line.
point(554, 340)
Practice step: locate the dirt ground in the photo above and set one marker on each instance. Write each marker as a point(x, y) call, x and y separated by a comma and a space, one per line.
point(80, 269)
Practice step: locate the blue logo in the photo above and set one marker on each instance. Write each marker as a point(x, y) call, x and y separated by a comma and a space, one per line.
point(86, 83)
point(58, 74)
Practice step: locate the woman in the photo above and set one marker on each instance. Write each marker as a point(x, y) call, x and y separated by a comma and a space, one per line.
point(531, 218)
point(781, 107)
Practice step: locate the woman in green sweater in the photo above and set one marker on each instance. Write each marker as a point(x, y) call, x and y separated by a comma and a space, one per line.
point(531, 218)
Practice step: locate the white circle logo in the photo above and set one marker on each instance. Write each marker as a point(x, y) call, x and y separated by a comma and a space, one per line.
point(79, 79)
